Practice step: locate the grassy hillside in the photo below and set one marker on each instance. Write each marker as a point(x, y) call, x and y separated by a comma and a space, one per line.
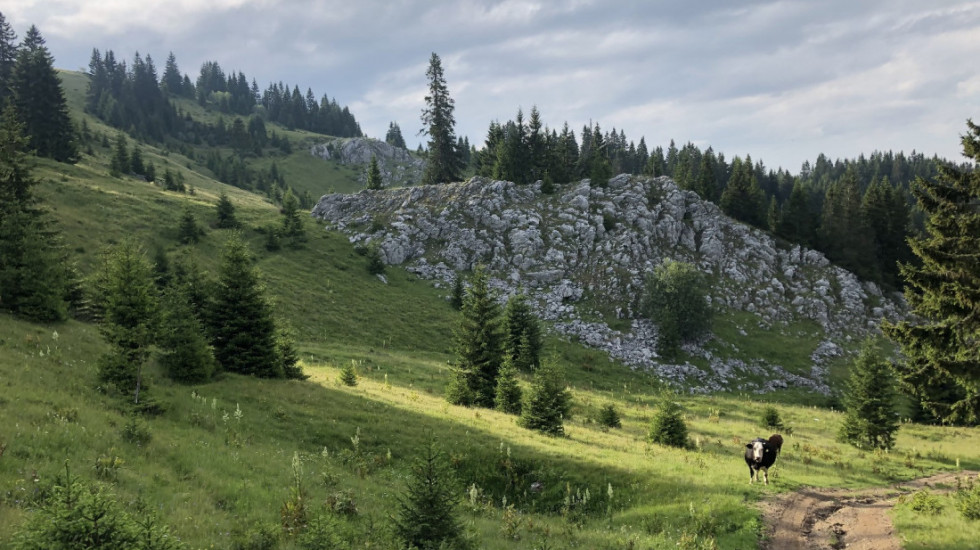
point(221, 458)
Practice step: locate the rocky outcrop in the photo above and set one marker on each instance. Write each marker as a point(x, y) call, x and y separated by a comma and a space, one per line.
point(398, 167)
point(582, 254)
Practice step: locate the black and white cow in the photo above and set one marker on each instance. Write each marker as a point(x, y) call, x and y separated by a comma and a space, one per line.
point(759, 455)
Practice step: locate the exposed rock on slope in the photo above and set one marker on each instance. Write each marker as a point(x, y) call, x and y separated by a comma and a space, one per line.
point(398, 167)
point(583, 254)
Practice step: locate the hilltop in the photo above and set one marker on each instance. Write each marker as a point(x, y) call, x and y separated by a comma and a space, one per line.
point(583, 254)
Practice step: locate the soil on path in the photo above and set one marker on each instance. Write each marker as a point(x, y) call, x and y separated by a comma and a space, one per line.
point(829, 519)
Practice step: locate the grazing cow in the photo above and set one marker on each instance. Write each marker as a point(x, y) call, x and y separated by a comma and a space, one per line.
point(759, 455)
point(776, 442)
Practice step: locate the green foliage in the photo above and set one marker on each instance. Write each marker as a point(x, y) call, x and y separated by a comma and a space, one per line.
point(226, 213)
point(292, 224)
point(609, 416)
point(456, 298)
point(943, 289)
point(921, 501)
point(843, 234)
point(676, 299)
point(547, 402)
point(771, 418)
point(668, 426)
point(547, 184)
point(394, 136)
point(34, 281)
point(188, 232)
point(185, 354)
point(78, 516)
point(286, 355)
point(348, 374)
point(427, 517)
point(130, 317)
point(438, 123)
point(968, 500)
point(742, 198)
point(374, 175)
point(136, 431)
point(240, 320)
point(479, 342)
point(508, 394)
point(375, 264)
point(522, 333)
point(39, 100)
point(870, 419)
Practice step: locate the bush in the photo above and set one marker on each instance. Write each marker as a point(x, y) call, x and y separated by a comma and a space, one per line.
point(375, 265)
point(676, 299)
point(508, 391)
point(77, 513)
point(968, 501)
point(136, 431)
point(771, 418)
point(668, 427)
point(609, 417)
point(922, 501)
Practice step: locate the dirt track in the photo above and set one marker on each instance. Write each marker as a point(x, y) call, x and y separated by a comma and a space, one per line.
point(811, 519)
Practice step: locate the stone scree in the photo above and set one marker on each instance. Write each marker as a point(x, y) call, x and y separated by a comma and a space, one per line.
point(587, 248)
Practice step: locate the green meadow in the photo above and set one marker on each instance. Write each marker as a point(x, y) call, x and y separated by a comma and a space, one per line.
point(218, 461)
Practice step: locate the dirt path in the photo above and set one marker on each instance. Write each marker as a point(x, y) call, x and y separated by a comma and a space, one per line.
point(823, 519)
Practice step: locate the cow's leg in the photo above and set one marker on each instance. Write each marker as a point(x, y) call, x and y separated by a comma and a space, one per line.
point(751, 475)
point(765, 475)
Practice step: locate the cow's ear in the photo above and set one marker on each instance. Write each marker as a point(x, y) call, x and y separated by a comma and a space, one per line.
point(748, 445)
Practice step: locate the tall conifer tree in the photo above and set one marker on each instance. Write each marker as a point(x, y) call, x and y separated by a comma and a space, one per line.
point(240, 321)
point(34, 281)
point(40, 101)
point(8, 57)
point(479, 345)
point(941, 370)
point(438, 123)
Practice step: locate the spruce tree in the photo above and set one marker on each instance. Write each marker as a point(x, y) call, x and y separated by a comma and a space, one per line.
point(522, 333)
point(843, 233)
point(34, 280)
point(129, 320)
point(292, 224)
point(609, 416)
point(348, 375)
point(374, 175)
point(456, 298)
point(668, 426)
point(547, 402)
point(188, 232)
point(394, 136)
point(286, 354)
point(8, 57)
point(427, 517)
point(39, 100)
point(479, 341)
point(508, 392)
point(226, 213)
point(119, 165)
point(438, 123)
point(870, 419)
point(940, 370)
point(240, 320)
point(185, 354)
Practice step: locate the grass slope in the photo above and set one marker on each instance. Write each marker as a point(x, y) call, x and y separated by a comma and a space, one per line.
point(218, 462)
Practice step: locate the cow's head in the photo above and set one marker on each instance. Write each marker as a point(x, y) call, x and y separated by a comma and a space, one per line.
point(757, 449)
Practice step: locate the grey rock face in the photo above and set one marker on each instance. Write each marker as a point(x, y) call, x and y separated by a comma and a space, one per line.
point(584, 253)
point(398, 167)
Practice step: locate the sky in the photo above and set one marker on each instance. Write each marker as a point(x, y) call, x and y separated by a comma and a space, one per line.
point(780, 80)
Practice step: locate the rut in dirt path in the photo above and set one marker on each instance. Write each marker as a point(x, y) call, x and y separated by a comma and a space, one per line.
point(830, 519)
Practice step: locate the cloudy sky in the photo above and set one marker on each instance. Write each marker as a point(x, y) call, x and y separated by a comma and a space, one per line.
point(782, 81)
